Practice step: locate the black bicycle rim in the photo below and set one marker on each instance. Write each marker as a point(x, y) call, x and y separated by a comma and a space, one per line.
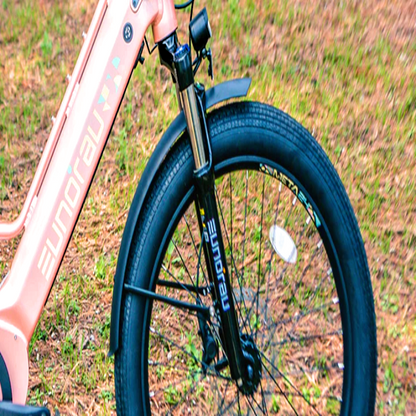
point(254, 163)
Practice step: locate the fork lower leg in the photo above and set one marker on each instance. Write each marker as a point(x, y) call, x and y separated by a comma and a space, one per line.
point(208, 214)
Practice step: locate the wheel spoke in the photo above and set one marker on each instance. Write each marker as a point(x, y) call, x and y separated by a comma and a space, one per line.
point(231, 223)
point(280, 389)
point(245, 325)
point(269, 263)
point(296, 318)
point(154, 394)
point(305, 269)
point(230, 405)
point(197, 252)
point(272, 255)
point(182, 285)
point(296, 332)
point(311, 299)
point(183, 262)
point(250, 404)
point(209, 369)
point(259, 272)
point(288, 381)
point(263, 401)
point(305, 338)
point(245, 225)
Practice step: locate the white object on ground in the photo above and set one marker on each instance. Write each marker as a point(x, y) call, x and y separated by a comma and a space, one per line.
point(283, 244)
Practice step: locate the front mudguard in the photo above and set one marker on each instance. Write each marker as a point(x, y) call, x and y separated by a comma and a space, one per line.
point(221, 92)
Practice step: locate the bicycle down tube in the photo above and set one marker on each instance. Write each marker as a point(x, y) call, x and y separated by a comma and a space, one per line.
point(67, 167)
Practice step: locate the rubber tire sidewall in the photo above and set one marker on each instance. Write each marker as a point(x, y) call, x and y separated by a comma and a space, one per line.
point(238, 130)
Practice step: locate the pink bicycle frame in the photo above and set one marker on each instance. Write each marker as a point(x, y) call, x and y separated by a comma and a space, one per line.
point(67, 167)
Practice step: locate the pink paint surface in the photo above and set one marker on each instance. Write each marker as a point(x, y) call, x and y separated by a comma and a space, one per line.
point(67, 168)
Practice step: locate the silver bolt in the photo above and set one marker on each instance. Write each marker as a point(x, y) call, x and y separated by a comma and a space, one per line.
point(15, 337)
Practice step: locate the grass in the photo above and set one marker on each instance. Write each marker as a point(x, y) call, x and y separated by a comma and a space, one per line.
point(345, 70)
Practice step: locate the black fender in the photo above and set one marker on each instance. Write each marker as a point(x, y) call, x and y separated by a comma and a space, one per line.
point(221, 92)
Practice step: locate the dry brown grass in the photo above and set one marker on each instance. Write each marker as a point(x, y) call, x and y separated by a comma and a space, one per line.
point(346, 70)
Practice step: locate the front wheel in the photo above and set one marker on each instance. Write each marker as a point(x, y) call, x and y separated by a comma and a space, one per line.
point(299, 274)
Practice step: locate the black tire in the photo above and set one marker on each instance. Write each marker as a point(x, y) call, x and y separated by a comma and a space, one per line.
point(270, 145)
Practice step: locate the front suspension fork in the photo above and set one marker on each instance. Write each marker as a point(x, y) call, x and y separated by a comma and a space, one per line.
point(208, 213)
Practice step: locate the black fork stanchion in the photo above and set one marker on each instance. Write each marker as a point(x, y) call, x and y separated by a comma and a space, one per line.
point(208, 214)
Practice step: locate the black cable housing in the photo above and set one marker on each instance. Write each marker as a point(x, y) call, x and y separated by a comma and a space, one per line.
point(183, 5)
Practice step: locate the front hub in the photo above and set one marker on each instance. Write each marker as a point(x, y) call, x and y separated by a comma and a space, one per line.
point(253, 365)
